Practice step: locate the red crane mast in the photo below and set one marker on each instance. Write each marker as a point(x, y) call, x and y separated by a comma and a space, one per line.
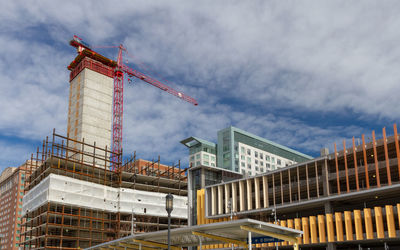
point(118, 94)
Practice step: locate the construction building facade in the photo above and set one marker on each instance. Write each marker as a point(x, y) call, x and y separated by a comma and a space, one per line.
point(72, 204)
point(348, 199)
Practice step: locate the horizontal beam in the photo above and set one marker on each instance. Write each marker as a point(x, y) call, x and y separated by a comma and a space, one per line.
point(155, 244)
point(270, 234)
point(134, 246)
point(220, 238)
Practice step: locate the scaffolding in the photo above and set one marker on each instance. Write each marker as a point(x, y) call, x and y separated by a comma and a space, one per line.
point(58, 225)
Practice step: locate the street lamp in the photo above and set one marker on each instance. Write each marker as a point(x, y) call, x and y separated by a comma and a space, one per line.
point(169, 206)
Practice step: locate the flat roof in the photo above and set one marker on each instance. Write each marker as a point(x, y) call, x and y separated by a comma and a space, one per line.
point(191, 141)
point(238, 130)
point(235, 231)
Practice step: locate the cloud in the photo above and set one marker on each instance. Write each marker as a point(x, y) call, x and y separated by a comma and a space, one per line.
point(266, 67)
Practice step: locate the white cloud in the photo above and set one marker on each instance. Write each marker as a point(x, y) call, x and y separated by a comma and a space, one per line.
point(318, 56)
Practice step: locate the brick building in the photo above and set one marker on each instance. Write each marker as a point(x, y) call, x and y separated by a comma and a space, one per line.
point(11, 192)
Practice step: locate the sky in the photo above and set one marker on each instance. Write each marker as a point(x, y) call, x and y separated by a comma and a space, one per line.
point(305, 74)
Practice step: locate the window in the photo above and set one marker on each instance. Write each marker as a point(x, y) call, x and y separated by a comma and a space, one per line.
point(255, 154)
point(278, 161)
point(192, 158)
point(273, 167)
point(261, 163)
point(197, 156)
point(243, 171)
point(267, 165)
point(248, 160)
point(198, 163)
point(256, 168)
point(262, 170)
point(206, 157)
point(248, 151)
point(212, 164)
point(212, 158)
point(242, 164)
point(267, 157)
point(261, 156)
point(249, 166)
point(242, 157)
point(256, 161)
point(242, 150)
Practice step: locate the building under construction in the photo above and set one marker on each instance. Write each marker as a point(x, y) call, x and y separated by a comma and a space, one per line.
point(348, 199)
point(73, 200)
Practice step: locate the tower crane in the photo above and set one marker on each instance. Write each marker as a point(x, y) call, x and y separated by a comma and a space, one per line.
point(118, 97)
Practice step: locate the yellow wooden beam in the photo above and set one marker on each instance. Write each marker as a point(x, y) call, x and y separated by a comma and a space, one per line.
point(223, 239)
point(155, 244)
point(270, 234)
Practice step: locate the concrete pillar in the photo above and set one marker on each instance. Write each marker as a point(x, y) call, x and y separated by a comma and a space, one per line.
point(220, 199)
point(227, 197)
point(257, 192)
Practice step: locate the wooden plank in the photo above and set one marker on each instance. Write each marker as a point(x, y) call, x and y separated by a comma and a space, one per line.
point(337, 171)
point(396, 142)
point(389, 178)
point(298, 183)
point(308, 184)
point(265, 191)
point(280, 173)
point(316, 178)
point(257, 192)
point(355, 164)
point(345, 166)
point(365, 161)
point(273, 189)
point(378, 180)
point(290, 186)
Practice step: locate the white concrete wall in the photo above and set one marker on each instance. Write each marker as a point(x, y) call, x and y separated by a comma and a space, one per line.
point(90, 112)
point(74, 192)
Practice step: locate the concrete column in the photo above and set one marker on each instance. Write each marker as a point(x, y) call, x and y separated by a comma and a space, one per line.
point(241, 196)
point(227, 197)
point(213, 200)
point(329, 210)
point(234, 197)
point(257, 192)
point(220, 199)
point(249, 194)
point(265, 191)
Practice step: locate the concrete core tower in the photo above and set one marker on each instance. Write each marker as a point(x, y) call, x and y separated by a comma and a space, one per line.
point(90, 99)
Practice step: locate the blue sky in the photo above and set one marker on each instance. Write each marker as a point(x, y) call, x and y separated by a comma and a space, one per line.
point(303, 74)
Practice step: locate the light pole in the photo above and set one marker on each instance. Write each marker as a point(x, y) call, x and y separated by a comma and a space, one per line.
point(169, 206)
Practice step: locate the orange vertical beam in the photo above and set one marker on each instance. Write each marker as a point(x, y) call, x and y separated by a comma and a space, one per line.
point(290, 224)
point(306, 230)
point(283, 224)
point(355, 164)
point(379, 222)
point(390, 221)
point(386, 156)
point(337, 171)
point(339, 226)
point(329, 228)
point(345, 166)
point(378, 180)
point(398, 212)
point(365, 161)
point(358, 225)
point(313, 229)
point(297, 226)
point(348, 222)
point(396, 142)
point(321, 229)
point(369, 231)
